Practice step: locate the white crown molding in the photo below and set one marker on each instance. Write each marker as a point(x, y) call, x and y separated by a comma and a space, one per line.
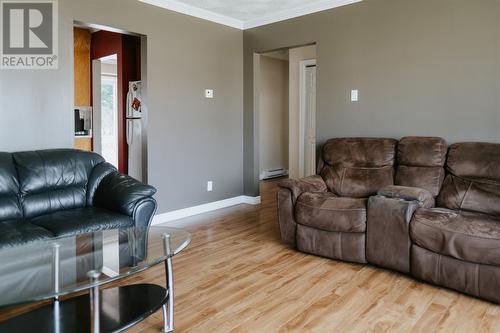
point(287, 14)
point(165, 218)
point(297, 12)
point(204, 14)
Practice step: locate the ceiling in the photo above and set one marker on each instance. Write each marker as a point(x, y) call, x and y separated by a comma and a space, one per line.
point(246, 14)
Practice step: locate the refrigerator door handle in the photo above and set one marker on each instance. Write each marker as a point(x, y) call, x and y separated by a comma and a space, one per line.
point(130, 132)
point(129, 112)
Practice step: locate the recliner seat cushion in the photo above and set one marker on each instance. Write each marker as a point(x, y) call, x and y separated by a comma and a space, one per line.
point(326, 211)
point(82, 220)
point(18, 232)
point(358, 167)
point(462, 235)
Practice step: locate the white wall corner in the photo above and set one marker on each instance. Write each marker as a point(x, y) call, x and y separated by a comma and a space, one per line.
point(205, 208)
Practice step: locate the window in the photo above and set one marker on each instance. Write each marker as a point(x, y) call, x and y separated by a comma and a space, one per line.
point(109, 118)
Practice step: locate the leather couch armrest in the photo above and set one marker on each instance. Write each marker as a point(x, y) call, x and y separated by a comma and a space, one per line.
point(422, 196)
point(99, 172)
point(121, 193)
point(308, 184)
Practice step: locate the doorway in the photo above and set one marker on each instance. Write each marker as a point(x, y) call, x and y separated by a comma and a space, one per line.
point(273, 100)
point(107, 64)
point(285, 108)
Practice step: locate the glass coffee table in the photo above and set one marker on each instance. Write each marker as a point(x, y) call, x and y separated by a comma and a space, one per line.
point(59, 268)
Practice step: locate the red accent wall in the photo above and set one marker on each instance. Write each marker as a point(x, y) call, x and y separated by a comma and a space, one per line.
point(128, 50)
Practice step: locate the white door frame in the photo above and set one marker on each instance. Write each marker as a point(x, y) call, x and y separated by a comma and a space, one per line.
point(96, 97)
point(302, 114)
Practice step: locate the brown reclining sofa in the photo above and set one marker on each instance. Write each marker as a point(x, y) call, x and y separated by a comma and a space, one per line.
point(413, 206)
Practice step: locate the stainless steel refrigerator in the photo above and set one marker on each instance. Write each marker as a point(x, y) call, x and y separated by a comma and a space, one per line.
point(134, 129)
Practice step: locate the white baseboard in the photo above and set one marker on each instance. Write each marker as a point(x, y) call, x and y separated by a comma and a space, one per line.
point(205, 208)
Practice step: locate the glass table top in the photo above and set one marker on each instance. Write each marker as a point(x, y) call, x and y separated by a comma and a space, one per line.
point(45, 269)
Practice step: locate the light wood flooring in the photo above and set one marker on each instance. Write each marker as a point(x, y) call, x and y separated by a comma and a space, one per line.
point(236, 276)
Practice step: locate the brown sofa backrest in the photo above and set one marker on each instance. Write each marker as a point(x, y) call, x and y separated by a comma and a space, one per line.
point(421, 163)
point(358, 167)
point(473, 180)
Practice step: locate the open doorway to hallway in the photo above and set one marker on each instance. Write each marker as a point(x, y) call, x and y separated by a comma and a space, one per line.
point(285, 102)
point(110, 96)
point(273, 114)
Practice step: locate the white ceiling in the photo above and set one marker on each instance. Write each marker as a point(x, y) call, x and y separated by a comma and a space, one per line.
point(246, 14)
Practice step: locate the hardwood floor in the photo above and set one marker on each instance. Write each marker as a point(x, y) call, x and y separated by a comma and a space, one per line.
point(236, 276)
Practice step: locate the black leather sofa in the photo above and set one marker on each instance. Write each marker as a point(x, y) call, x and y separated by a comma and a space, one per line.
point(53, 193)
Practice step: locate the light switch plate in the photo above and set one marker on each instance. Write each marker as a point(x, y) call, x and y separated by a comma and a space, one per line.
point(210, 186)
point(209, 93)
point(354, 95)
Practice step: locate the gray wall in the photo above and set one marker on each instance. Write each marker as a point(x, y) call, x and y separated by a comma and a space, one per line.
point(426, 67)
point(191, 139)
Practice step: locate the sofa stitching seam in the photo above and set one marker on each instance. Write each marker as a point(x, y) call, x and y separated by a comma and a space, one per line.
point(465, 195)
point(386, 167)
point(439, 268)
point(478, 285)
point(329, 209)
point(340, 245)
point(342, 179)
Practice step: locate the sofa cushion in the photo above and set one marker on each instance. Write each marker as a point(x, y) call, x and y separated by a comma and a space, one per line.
point(9, 189)
point(475, 196)
point(53, 180)
point(328, 212)
point(82, 220)
point(475, 160)
point(422, 151)
point(358, 167)
point(421, 163)
point(474, 180)
point(462, 235)
point(18, 232)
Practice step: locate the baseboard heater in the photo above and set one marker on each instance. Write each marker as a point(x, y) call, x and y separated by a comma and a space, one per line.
point(270, 174)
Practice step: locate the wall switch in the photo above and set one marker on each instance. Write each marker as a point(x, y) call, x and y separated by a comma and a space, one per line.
point(354, 95)
point(209, 93)
point(210, 186)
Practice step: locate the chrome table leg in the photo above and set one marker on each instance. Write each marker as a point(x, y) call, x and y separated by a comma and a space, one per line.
point(94, 303)
point(168, 309)
point(56, 264)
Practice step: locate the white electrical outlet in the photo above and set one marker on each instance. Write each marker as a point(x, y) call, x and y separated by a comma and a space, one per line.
point(354, 95)
point(210, 186)
point(209, 93)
